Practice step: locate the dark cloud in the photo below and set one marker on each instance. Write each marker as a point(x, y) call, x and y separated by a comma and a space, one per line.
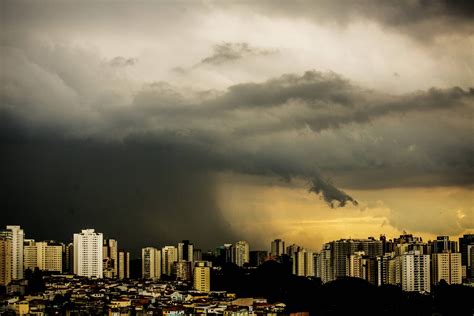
point(332, 195)
point(143, 193)
point(82, 147)
point(326, 100)
point(420, 19)
point(120, 61)
point(228, 52)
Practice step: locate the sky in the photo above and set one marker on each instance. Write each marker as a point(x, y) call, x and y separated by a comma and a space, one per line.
point(310, 121)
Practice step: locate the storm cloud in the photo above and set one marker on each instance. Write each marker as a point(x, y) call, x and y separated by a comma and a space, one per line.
point(419, 19)
point(92, 138)
point(231, 125)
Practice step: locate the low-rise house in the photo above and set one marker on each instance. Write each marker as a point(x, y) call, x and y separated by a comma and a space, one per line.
point(177, 297)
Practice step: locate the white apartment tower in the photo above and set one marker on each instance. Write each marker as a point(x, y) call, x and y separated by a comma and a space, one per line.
point(415, 272)
point(88, 253)
point(241, 253)
point(151, 263)
point(446, 266)
point(17, 235)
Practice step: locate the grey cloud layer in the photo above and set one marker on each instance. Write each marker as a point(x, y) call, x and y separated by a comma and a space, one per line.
point(423, 20)
point(87, 143)
point(282, 126)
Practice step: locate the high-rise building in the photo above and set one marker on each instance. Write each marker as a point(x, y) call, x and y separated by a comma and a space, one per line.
point(197, 255)
point(292, 249)
point(398, 270)
point(354, 265)
point(441, 244)
point(316, 264)
point(303, 263)
point(257, 257)
point(407, 243)
point(415, 272)
point(123, 264)
point(68, 258)
point(212, 256)
point(240, 253)
point(52, 256)
point(277, 248)
point(369, 269)
point(446, 266)
point(202, 276)
point(169, 255)
point(185, 251)
point(5, 259)
point(470, 260)
point(110, 258)
point(465, 241)
point(88, 259)
point(343, 248)
point(298, 260)
point(223, 254)
point(30, 254)
point(16, 236)
point(394, 270)
point(359, 265)
point(384, 271)
point(151, 263)
point(44, 255)
point(387, 245)
point(324, 265)
point(228, 252)
point(407, 239)
point(183, 270)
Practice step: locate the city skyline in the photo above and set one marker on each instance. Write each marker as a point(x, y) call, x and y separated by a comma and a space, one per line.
point(212, 120)
point(405, 261)
point(177, 244)
point(95, 275)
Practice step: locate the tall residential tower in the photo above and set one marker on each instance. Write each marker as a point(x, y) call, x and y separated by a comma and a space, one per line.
point(88, 253)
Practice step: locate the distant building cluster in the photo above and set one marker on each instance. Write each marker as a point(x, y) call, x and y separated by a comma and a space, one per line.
point(406, 261)
point(88, 255)
point(185, 263)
